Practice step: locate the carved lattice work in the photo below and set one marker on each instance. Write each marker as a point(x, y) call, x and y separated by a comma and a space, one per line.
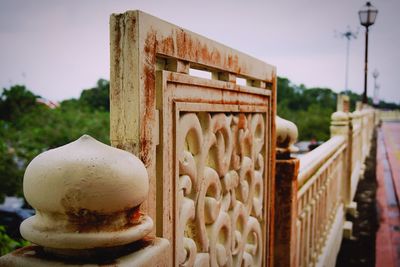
point(207, 144)
point(220, 195)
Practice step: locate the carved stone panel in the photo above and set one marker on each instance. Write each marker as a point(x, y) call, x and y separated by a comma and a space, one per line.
point(220, 190)
point(221, 162)
point(207, 144)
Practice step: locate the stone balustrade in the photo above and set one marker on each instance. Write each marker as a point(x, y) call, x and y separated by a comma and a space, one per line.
point(213, 183)
point(312, 199)
point(389, 115)
point(207, 144)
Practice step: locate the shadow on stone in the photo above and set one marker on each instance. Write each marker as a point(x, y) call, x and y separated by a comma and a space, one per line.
point(360, 250)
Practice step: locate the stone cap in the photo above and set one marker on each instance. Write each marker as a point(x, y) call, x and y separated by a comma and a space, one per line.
point(340, 118)
point(286, 136)
point(86, 194)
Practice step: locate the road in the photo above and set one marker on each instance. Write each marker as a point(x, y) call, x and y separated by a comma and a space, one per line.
point(388, 193)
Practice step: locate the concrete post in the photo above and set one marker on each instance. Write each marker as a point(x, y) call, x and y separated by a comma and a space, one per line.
point(287, 169)
point(341, 125)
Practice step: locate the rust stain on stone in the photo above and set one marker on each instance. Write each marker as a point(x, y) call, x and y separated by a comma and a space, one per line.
point(117, 52)
point(230, 60)
point(242, 123)
point(146, 131)
point(167, 46)
point(194, 50)
point(135, 216)
point(233, 63)
point(85, 221)
point(150, 47)
point(184, 44)
point(28, 251)
point(149, 98)
point(215, 57)
point(205, 55)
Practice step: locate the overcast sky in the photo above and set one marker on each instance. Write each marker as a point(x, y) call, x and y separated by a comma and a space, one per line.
point(58, 48)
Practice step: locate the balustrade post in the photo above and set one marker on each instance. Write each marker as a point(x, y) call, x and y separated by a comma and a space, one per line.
point(364, 140)
point(286, 187)
point(341, 124)
point(87, 198)
point(343, 103)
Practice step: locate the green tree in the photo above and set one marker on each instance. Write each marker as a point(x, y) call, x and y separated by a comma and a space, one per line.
point(10, 172)
point(16, 101)
point(97, 97)
point(310, 109)
point(35, 128)
point(7, 244)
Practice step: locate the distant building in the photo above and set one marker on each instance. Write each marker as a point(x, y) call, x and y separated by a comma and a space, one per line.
point(49, 103)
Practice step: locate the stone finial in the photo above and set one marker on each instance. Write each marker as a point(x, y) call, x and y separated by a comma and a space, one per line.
point(286, 136)
point(339, 118)
point(359, 105)
point(86, 195)
point(356, 115)
point(343, 103)
point(339, 123)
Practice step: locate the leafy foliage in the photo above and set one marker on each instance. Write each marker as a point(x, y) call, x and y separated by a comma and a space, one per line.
point(98, 97)
point(310, 109)
point(7, 244)
point(28, 128)
point(15, 102)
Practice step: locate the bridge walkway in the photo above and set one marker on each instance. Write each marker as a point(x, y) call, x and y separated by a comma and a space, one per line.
point(388, 193)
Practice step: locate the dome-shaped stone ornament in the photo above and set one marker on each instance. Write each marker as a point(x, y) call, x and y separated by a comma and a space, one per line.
point(86, 195)
point(339, 118)
point(286, 136)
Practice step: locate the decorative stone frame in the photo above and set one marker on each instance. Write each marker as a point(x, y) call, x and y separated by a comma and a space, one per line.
point(152, 89)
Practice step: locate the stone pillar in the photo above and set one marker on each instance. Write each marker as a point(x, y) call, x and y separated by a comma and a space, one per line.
point(359, 105)
point(343, 103)
point(341, 125)
point(87, 197)
point(287, 169)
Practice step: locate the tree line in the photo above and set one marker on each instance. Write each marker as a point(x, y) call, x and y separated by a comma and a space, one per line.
point(311, 108)
point(29, 127)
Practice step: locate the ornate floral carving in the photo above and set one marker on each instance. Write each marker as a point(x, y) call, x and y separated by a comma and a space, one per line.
point(220, 191)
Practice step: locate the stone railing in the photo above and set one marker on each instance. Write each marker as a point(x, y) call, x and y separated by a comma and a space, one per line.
point(204, 172)
point(389, 115)
point(212, 182)
point(314, 193)
point(207, 144)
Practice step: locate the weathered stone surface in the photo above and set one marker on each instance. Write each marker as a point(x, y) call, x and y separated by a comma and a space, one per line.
point(86, 195)
point(138, 254)
point(286, 136)
point(286, 212)
point(208, 144)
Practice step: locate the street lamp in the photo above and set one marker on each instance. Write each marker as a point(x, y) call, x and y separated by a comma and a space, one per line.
point(375, 101)
point(348, 35)
point(367, 16)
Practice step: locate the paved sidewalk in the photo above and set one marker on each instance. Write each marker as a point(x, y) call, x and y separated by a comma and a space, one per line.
point(388, 193)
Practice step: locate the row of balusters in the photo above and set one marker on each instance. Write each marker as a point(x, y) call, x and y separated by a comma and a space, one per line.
point(317, 207)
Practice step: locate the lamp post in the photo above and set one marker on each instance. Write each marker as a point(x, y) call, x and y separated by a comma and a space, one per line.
point(375, 74)
point(348, 35)
point(367, 16)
